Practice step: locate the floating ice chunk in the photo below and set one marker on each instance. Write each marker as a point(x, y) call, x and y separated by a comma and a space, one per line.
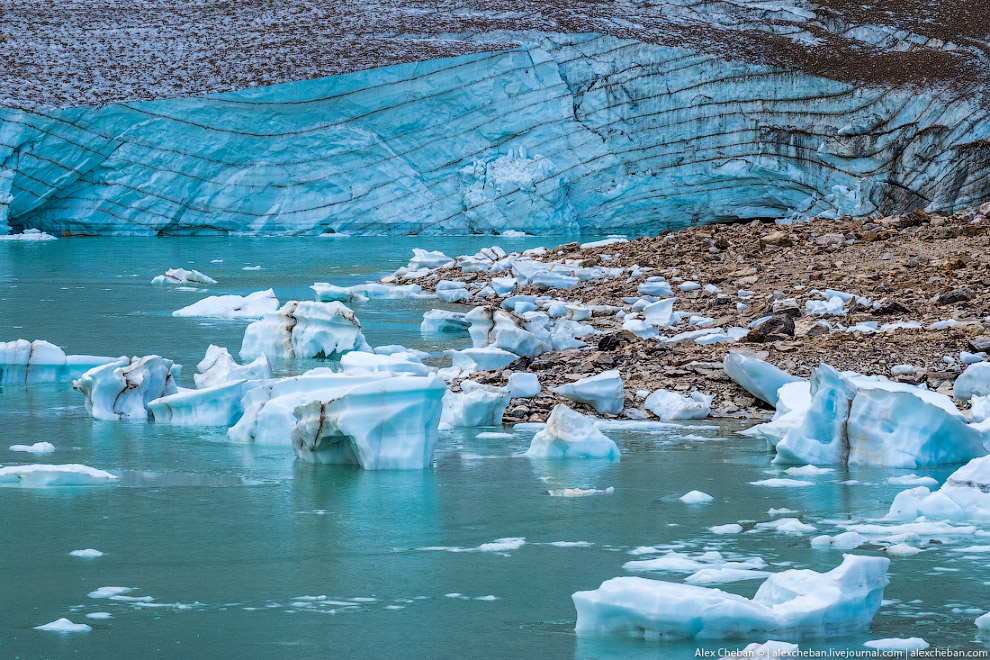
point(912, 480)
point(807, 471)
point(64, 626)
point(219, 367)
point(378, 291)
point(440, 320)
point(99, 615)
point(122, 389)
point(983, 622)
point(326, 292)
point(602, 392)
point(40, 476)
point(580, 492)
point(183, 276)
point(821, 437)
point(794, 602)
point(390, 423)
point(696, 497)
point(39, 361)
point(28, 235)
point(252, 306)
point(88, 553)
point(669, 405)
point(902, 550)
point(569, 434)
point(724, 575)
point(786, 526)
point(731, 528)
point(898, 644)
point(759, 378)
point(109, 592)
point(975, 381)
point(36, 448)
point(782, 483)
point(476, 405)
point(401, 363)
point(660, 313)
point(219, 405)
point(769, 649)
point(480, 359)
point(523, 385)
point(677, 562)
point(843, 541)
point(964, 496)
point(305, 329)
point(498, 545)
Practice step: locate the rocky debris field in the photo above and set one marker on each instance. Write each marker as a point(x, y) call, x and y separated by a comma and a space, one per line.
point(923, 276)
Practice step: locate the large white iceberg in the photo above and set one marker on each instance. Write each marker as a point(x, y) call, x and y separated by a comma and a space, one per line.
point(305, 329)
point(759, 378)
point(569, 434)
point(796, 603)
point(219, 367)
point(388, 424)
point(123, 388)
point(252, 306)
point(39, 361)
point(40, 476)
point(602, 392)
point(475, 405)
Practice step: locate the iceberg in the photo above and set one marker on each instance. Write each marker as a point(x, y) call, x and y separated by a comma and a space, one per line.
point(975, 381)
point(965, 495)
point(669, 406)
point(183, 276)
point(475, 405)
point(122, 389)
point(388, 424)
point(569, 434)
point(696, 497)
point(440, 320)
point(305, 329)
point(213, 405)
point(30, 362)
point(759, 378)
point(64, 626)
point(219, 367)
point(797, 603)
point(36, 448)
point(602, 392)
point(252, 306)
point(500, 329)
point(40, 476)
point(402, 362)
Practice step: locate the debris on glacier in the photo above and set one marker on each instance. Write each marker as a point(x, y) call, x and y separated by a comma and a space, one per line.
point(305, 329)
point(669, 406)
point(122, 389)
point(183, 276)
point(798, 603)
point(475, 405)
point(252, 306)
point(218, 367)
point(40, 476)
point(39, 361)
point(36, 448)
point(569, 434)
point(602, 392)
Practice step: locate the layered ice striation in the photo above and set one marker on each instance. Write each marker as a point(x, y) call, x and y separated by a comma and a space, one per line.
point(563, 133)
point(305, 329)
point(122, 389)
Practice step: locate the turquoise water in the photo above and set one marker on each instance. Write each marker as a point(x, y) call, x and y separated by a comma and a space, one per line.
point(228, 539)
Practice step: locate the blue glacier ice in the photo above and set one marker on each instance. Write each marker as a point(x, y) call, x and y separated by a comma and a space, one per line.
point(563, 134)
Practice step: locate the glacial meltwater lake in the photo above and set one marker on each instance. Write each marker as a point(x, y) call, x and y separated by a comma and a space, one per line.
point(249, 553)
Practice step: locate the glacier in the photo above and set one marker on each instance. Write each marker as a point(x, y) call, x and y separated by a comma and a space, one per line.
point(563, 133)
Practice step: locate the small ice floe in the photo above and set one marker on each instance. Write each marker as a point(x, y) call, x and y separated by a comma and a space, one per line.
point(122, 389)
point(770, 649)
point(24, 362)
point(782, 483)
point(843, 541)
point(569, 434)
point(677, 562)
point(523, 385)
point(109, 592)
point(898, 644)
point(570, 544)
point(580, 492)
point(475, 405)
point(493, 435)
point(724, 575)
point(759, 378)
point(305, 329)
point(602, 392)
point(902, 550)
point(912, 480)
point(807, 471)
point(88, 553)
point(438, 321)
point(696, 497)
point(786, 526)
point(781, 511)
point(730, 528)
point(36, 448)
point(28, 235)
point(670, 406)
point(498, 545)
point(64, 626)
point(183, 276)
point(975, 381)
point(798, 603)
point(218, 367)
point(99, 615)
point(251, 268)
point(41, 476)
point(965, 495)
point(252, 306)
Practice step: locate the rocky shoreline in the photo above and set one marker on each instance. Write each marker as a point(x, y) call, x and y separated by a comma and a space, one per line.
point(915, 307)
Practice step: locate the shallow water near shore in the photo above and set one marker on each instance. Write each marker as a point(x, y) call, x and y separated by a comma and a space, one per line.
point(249, 553)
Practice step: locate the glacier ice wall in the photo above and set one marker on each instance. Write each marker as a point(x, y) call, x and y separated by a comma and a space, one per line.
point(573, 133)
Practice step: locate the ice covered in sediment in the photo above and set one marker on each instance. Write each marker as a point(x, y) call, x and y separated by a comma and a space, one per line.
point(669, 406)
point(29, 362)
point(898, 644)
point(678, 562)
point(219, 367)
point(388, 424)
point(406, 362)
point(798, 603)
point(441, 320)
point(305, 329)
point(523, 385)
point(36, 448)
point(480, 359)
point(39, 476)
point(965, 495)
point(759, 378)
point(216, 405)
point(696, 497)
point(843, 541)
point(975, 381)
point(769, 649)
point(121, 390)
point(603, 392)
point(475, 405)
point(63, 626)
point(569, 434)
point(88, 553)
point(183, 276)
point(252, 306)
